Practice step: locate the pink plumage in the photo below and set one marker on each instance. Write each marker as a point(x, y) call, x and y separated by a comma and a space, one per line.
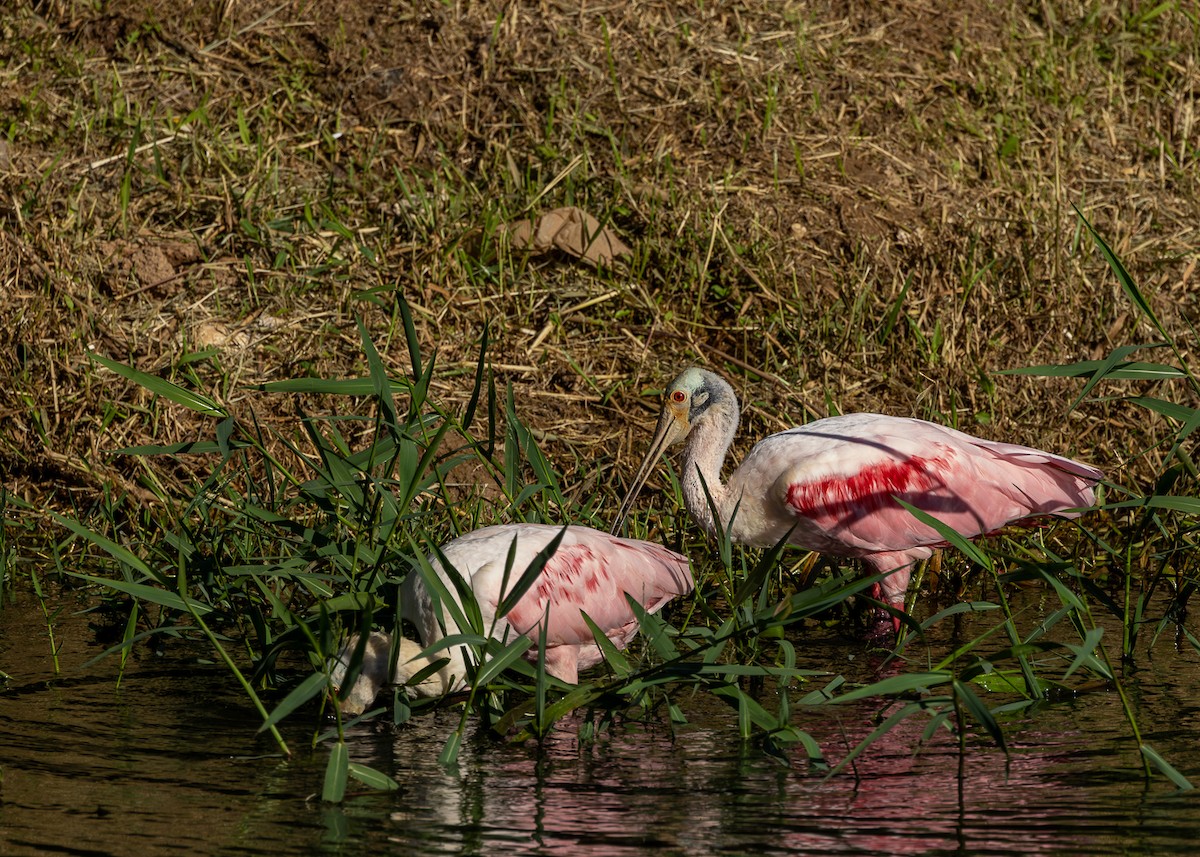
point(589, 572)
point(833, 484)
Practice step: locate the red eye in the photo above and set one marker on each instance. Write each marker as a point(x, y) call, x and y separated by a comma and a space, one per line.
point(679, 397)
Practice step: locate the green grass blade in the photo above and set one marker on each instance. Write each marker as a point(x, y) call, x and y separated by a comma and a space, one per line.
point(950, 534)
point(754, 581)
point(372, 778)
point(410, 336)
point(1188, 505)
point(449, 755)
point(312, 686)
point(616, 661)
point(477, 388)
point(894, 686)
point(971, 701)
point(529, 575)
point(332, 386)
point(145, 592)
point(161, 387)
point(380, 384)
point(337, 772)
point(495, 665)
point(1126, 281)
point(653, 629)
point(1174, 410)
point(1167, 769)
point(1084, 654)
point(116, 551)
point(878, 732)
point(1105, 369)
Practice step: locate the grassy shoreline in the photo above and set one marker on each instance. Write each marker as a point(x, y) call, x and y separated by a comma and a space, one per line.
point(840, 208)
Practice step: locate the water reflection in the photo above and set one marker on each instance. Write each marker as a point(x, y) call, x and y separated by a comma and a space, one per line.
point(168, 762)
point(1067, 791)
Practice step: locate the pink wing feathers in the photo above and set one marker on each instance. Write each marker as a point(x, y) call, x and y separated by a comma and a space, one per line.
point(591, 572)
point(844, 472)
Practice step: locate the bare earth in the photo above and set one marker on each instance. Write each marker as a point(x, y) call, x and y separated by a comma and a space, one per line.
point(842, 206)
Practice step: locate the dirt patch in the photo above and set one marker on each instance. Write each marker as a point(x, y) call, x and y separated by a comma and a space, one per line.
point(153, 269)
point(845, 207)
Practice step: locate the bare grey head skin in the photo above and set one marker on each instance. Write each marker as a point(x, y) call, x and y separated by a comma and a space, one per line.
point(701, 409)
point(372, 676)
point(381, 667)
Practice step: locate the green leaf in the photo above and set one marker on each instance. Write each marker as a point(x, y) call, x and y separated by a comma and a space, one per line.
point(164, 388)
point(896, 685)
point(463, 610)
point(980, 712)
point(541, 468)
point(336, 774)
point(749, 711)
point(951, 535)
point(878, 732)
point(528, 575)
point(151, 594)
point(497, 664)
point(116, 551)
point(449, 754)
point(616, 661)
point(1174, 410)
point(332, 386)
point(1181, 782)
point(476, 390)
point(380, 385)
point(302, 693)
point(653, 629)
point(198, 447)
point(1084, 654)
point(372, 778)
point(1105, 370)
point(755, 579)
point(1189, 505)
point(1012, 681)
point(1116, 371)
point(1127, 283)
point(410, 335)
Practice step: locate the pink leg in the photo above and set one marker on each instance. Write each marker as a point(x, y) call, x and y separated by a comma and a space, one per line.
point(897, 567)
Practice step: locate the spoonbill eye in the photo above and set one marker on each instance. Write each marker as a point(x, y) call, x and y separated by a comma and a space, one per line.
point(679, 397)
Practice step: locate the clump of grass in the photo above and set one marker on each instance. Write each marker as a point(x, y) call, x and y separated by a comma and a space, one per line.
point(271, 563)
point(858, 219)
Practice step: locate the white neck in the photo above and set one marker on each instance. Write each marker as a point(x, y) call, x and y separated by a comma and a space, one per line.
point(703, 454)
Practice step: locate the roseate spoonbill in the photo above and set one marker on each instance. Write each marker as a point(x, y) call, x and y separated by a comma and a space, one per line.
point(589, 572)
point(829, 486)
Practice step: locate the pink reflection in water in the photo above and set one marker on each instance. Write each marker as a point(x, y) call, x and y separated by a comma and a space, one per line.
point(702, 792)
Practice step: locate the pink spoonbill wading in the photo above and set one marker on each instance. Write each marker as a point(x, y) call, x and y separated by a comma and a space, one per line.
point(831, 483)
point(589, 572)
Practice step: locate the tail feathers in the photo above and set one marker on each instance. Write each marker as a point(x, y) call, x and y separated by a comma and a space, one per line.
point(1059, 487)
point(1049, 483)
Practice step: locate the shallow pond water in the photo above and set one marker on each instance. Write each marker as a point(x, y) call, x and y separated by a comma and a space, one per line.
point(169, 762)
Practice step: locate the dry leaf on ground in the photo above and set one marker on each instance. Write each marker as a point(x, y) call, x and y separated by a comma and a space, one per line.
point(571, 230)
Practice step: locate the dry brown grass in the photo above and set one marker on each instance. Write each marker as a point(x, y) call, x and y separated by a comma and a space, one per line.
point(213, 195)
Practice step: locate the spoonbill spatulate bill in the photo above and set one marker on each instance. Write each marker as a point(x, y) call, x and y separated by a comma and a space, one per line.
point(832, 484)
point(589, 572)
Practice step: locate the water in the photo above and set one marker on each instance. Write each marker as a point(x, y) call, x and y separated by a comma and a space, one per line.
point(169, 762)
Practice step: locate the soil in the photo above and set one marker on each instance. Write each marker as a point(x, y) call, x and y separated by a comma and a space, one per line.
point(845, 206)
